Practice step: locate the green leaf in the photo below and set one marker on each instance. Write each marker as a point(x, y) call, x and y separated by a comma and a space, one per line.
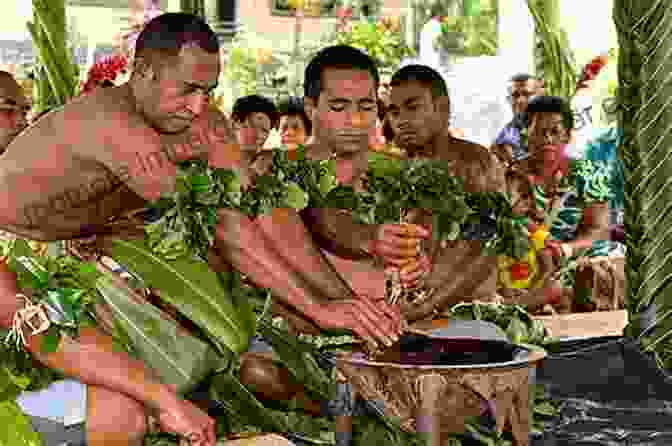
point(31, 273)
point(328, 178)
point(293, 353)
point(296, 198)
point(342, 197)
point(178, 359)
point(50, 340)
point(10, 386)
point(67, 303)
point(200, 183)
point(517, 331)
point(17, 431)
point(242, 403)
point(192, 288)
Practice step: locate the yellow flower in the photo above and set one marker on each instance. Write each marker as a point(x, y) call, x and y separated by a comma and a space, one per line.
point(539, 237)
point(504, 265)
point(296, 4)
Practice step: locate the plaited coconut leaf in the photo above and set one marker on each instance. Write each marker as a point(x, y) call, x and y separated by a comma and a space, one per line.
point(644, 36)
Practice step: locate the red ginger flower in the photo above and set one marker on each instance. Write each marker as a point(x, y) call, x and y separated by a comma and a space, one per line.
point(106, 69)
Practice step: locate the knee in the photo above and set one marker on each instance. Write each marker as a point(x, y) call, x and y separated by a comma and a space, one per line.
point(266, 379)
point(111, 414)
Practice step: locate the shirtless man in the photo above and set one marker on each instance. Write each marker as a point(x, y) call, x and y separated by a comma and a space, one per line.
point(418, 115)
point(340, 100)
point(342, 110)
point(106, 154)
point(96, 158)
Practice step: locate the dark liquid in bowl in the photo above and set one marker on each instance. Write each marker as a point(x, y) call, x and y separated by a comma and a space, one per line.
point(420, 350)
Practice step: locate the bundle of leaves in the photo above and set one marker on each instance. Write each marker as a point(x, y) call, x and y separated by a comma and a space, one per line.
point(68, 287)
point(187, 225)
point(394, 187)
point(65, 284)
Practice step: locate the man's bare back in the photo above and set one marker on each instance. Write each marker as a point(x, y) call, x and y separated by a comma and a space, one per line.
point(90, 161)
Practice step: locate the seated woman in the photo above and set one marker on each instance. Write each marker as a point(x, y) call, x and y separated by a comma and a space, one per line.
point(570, 201)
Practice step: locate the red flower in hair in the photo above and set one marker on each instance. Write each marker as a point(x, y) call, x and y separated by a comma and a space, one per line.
point(343, 13)
point(591, 70)
point(106, 69)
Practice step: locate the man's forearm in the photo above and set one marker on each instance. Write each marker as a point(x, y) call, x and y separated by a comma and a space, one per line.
point(92, 360)
point(242, 244)
point(292, 240)
point(336, 231)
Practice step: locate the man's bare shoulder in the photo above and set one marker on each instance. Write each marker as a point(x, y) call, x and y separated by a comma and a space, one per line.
point(471, 151)
point(261, 162)
point(479, 167)
point(317, 151)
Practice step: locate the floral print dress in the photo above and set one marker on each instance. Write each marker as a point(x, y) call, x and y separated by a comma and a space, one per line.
point(587, 182)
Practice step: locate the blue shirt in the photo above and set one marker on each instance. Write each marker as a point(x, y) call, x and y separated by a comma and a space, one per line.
point(511, 135)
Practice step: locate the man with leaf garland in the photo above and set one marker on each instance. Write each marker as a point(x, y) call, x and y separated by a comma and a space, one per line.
point(319, 290)
point(418, 114)
point(340, 100)
point(98, 157)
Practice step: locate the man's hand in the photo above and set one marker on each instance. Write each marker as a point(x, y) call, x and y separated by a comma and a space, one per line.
point(554, 250)
point(186, 420)
point(374, 322)
point(399, 246)
point(412, 274)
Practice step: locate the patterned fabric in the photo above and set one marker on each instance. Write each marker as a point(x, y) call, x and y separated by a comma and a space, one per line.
point(573, 196)
point(604, 148)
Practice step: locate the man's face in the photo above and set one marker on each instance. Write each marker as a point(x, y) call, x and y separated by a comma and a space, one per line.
point(261, 123)
point(179, 92)
point(521, 92)
point(13, 110)
point(414, 116)
point(346, 110)
point(546, 132)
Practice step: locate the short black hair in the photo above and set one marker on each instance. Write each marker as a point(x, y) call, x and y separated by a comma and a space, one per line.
point(254, 103)
point(423, 74)
point(170, 32)
point(337, 56)
point(524, 77)
point(551, 104)
point(293, 106)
